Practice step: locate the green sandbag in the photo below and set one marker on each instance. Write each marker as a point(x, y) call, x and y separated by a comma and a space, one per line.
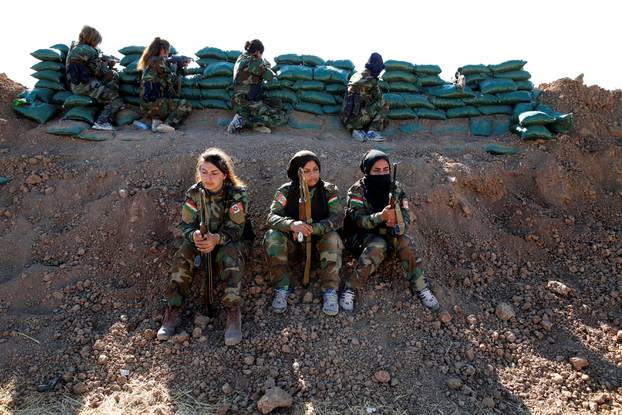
point(312, 60)
point(395, 65)
point(402, 87)
point(221, 94)
point(475, 69)
point(384, 86)
point(129, 89)
point(61, 47)
point(218, 82)
point(68, 128)
point(475, 79)
point(60, 96)
point(495, 86)
point(450, 91)
point(204, 62)
point(38, 94)
point(195, 104)
point(427, 69)
point(48, 66)
point(309, 107)
point(308, 86)
point(345, 64)
point(191, 93)
point(126, 116)
point(47, 55)
point(481, 127)
point(411, 127)
point(430, 114)
point(445, 103)
point(399, 76)
point(562, 124)
point(497, 150)
point(194, 71)
point(534, 132)
point(317, 97)
point(417, 101)
point(513, 97)
point(218, 69)
point(336, 88)
point(43, 83)
point(401, 114)
point(520, 75)
point(39, 112)
point(463, 112)
point(529, 118)
point(296, 73)
point(4, 180)
point(77, 101)
point(216, 104)
point(330, 74)
point(132, 50)
point(481, 99)
point(86, 114)
point(394, 100)
point(233, 55)
point(129, 78)
point(277, 84)
point(132, 68)
point(338, 98)
point(331, 109)
point(129, 59)
point(507, 66)
point(430, 80)
point(501, 126)
point(495, 109)
point(285, 95)
point(524, 85)
point(190, 81)
point(213, 53)
point(53, 76)
point(520, 108)
point(288, 59)
point(132, 100)
point(91, 136)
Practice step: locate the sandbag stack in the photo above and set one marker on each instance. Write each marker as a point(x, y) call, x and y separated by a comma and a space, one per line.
point(210, 85)
point(542, 122)
point(129, 76)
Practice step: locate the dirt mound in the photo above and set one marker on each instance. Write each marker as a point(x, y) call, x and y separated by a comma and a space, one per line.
point(523, 251)
point(597, 111)
point(9, 124)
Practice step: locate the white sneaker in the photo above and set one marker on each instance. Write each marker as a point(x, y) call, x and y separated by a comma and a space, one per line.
point(262, 129)
point(374, 136)
point(154, 125)
point(105, 126)
point(279, 301)
point(346, 300)
point(359, 135)
point(236, 124)
point(330, 305)
point(165, 128)
point(428, 299)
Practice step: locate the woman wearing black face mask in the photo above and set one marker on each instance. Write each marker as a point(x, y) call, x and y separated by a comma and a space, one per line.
point(370, 220)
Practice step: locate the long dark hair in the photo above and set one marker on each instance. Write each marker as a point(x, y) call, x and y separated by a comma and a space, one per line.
point(222, 161)
point(252, 46)
point(152, 50)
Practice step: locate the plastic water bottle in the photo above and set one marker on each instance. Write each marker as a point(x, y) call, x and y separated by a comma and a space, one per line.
point(140, 125)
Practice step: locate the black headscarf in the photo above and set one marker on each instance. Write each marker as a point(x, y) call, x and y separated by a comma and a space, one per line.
point(376, 187)
point(319, 204)
point(375, 64)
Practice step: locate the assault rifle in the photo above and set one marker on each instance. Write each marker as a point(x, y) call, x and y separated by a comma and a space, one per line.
point(206, 258)
point(304, 214)
point(109, 60)
point(179, 61)
point(394, 202)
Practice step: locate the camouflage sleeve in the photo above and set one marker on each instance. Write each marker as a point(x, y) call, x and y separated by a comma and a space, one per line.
point(335, 212)
point(189, 218)
point(405, 208)
point(235, 218)
point(94, 62)
point(168, 76)
point(277, 218)
point(357, 209)
point(257, 67)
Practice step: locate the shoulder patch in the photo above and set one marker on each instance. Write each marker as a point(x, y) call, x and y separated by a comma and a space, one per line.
point(236, 212)
point(281, 199)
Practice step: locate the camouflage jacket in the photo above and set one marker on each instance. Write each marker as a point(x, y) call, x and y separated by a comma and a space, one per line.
point(366, 86)
point(250, 70)
point(278, 219)
point(227, 212)
point(360, 210)
point(157, 70)
point(89, 57)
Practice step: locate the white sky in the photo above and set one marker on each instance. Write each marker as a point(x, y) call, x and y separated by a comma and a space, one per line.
point(557, 38)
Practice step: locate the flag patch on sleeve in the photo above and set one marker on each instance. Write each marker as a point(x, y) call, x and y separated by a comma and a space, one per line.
point(356, 201)
point(281, 199)
point(332, 199)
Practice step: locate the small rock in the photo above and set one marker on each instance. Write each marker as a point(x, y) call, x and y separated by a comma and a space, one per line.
point(224, 409)
point(57, 295)
point(382, 376)
point(579, 362)
point(444, 317)
point(308, 297)
point(102, 359)
point(489, 402)
point(286, 349)
point(149, 334)
point(249, 360)
point(227, 389)
point(454, 383)
point(201, 321)
point(558, 288)
point(619, 336)
point(504, 311)
point(471, 319)
point(49, 190)
point(123, 193)
point(557, 378)
point(197, 332)
point(33, 180)
point(274, 398)
point(181, 337)
point(79, 388)
point(546, 325)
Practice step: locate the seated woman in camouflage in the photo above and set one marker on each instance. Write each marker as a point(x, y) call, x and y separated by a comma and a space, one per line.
point(285, 225)
point(89, 73)
point(252, 109)
point(364, 110)
point(226, 204)
point(373, 230)
point(159, 88)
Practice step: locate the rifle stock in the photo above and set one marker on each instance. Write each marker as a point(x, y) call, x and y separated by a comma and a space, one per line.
point(207, 258)
point(304, 214)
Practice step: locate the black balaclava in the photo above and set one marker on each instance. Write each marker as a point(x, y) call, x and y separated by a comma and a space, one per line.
point(375, 64)
point(377, 187)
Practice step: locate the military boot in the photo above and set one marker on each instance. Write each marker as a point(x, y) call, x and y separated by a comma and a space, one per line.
point(233, 330)
point(172, 318)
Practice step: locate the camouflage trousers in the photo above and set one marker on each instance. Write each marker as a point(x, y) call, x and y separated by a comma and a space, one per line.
point(373, 250)
point(229, 264)
point(170, 110)
point(373, 117)
point(281, 248)
point(267, 112)
point(104, 93)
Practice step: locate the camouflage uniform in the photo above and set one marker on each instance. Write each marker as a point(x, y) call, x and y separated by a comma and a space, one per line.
point(89, 75)
point(248, 100)
point(279, 243)
point(159, 86)
point(227, 218)
point(364, 107)
point(370, 238)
